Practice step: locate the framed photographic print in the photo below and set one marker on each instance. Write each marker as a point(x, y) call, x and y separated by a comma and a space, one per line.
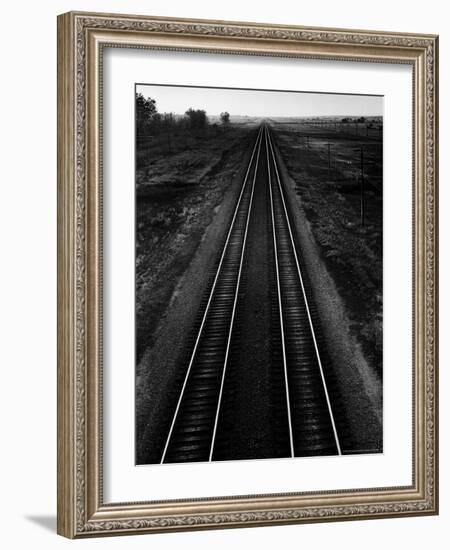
point(247, 276)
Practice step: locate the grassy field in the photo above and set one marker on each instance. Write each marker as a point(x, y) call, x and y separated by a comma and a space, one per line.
point(180, 182)
point(337, 168)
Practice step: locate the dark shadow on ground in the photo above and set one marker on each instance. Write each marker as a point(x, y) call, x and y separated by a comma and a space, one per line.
point(46, 522)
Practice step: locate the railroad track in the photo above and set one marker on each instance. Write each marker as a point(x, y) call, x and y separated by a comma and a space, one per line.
point(312, 425)
point(309, 426)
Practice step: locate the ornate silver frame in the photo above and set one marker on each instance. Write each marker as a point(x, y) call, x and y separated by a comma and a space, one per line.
point(81, 37)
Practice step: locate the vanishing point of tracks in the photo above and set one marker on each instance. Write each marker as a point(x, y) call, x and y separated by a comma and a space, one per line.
point(306, 424)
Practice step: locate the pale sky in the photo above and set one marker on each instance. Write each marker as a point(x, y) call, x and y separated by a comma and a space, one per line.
point(260, 103)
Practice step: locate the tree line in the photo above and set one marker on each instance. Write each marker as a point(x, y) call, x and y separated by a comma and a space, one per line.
point(149, 120)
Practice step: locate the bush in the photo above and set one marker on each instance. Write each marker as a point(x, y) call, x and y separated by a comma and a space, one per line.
point(197, 118)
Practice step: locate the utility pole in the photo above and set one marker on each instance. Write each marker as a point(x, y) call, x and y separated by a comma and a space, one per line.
point(362, 188)
point(329, 158)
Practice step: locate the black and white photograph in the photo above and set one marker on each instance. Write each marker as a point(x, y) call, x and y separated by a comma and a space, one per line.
point(258, 274)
